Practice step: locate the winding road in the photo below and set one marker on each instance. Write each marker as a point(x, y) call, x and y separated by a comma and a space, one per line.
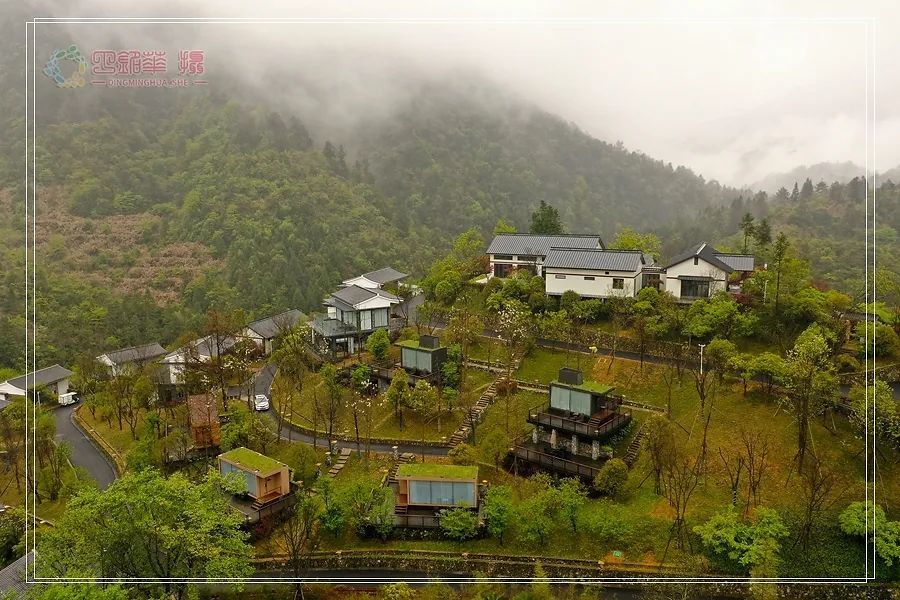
point(84, 453)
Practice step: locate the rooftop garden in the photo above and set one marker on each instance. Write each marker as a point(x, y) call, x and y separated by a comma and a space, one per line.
point(437, 471)
point(244, 457)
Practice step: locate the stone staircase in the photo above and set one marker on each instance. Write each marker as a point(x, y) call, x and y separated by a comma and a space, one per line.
point(474, 415)
point(341, 461)
point(406, 457)
point(634, 448)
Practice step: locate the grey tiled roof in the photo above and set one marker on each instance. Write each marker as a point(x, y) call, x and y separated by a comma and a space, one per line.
point(738, 262)
point(594, 260)
point(44, 376)
point(271, 327)
point(384, 275)
point(136, 353)
point(704, 251)
point(353, 294)
point(539, 245)
point(207, 345)
point(12, 577)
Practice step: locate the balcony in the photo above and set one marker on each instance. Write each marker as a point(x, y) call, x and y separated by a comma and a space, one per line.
point(328, 327)
point(569, 465)
point(598, 426)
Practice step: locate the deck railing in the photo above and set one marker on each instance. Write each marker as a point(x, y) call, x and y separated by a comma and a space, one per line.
point(540, 416)
point(555, 463)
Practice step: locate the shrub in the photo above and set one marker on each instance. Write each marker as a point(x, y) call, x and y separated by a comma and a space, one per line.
point(847, 364)
point(459, 524)
point(378, 344)
point(463, 454)
point(612, 477)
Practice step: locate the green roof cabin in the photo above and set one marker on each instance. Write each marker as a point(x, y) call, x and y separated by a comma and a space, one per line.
point(268, 481)
point(568, 431)
point(422, 490)
point(423, 356)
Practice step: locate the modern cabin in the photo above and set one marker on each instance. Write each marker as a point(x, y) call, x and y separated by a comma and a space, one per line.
point(268, 482)
point(702, 271)
point(203, 417)
point(424, 356)
point(422, 490)
point(569, 430)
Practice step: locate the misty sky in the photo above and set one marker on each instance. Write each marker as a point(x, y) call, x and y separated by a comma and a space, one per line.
point(732, 99)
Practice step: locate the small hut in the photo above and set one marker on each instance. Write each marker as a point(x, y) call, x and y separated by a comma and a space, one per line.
point(204, 420)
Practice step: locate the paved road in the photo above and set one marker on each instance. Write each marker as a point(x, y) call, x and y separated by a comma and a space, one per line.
point(262, 383)
point(84, 453)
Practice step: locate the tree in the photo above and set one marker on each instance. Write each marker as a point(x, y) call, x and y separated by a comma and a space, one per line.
point(78, 591)
point(545, 220)
point(755, 445)
point(795, 193)
point(779, 252)
point(459, 523)
point(745, 543)
point(718, 355)
point(398, 393)
point(503, 227)
point(880, 409)
point(611, 477)
point(378, 344)
point(817, 485)
point(12, 532)
point(629, 239)
point(571, 496)
point(769, 367)
point(297, 533)
point(334, 395)
point(497, 510)
point(147, 525)
point(659, 442)
point(361, 404)
point(748, 228)
point(810, 383)
point(762, 234)
point(863, 519)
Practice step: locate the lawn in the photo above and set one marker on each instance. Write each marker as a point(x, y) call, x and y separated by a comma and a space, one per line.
point(383, 422)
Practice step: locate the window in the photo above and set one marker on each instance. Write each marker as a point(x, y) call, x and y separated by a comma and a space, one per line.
point(526, 258)
point(365, 320)
point(559, 276)
point(693, 288)
point(447, 493)
point(503, 257)
point(586, 278)
point(618, 283)
point(695, 260)
point(502, 270)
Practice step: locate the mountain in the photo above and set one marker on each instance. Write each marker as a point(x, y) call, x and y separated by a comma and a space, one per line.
point(829, 172)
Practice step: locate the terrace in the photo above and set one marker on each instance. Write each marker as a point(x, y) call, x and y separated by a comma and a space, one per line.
point(559, 461)
point(596, 426)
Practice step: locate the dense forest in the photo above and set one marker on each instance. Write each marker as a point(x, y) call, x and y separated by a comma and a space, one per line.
point(154, 206)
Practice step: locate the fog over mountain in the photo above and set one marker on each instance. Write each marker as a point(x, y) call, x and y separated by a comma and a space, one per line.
point(734, 100)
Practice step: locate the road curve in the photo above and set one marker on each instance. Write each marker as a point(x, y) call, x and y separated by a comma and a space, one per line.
point(85, 453)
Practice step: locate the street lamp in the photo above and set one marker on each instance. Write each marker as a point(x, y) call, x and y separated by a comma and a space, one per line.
point(701, 357)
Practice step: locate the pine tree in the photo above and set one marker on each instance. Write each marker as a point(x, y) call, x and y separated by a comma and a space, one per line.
point(545, 220)
point(748, 227)
point(795, 193)
point(807, 191)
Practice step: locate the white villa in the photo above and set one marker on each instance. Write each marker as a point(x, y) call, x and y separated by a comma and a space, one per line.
point(265, 332)
point(119, 361)
point(354, 311)
point(582, 263)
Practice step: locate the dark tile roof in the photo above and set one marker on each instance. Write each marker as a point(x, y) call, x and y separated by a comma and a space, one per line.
point(271, 327)
point(738, 262)
point(136, 353)
point(208, 347)
point(539, 245)
point(384, 275)
point(594, 260)
point(704, 251)
point(12, 577)
point(44, 376)
point(353, 294)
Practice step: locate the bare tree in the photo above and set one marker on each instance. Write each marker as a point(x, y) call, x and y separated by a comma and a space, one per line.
point(817, 495)
point(756, 459)
point(734, 467)
point(681, 475)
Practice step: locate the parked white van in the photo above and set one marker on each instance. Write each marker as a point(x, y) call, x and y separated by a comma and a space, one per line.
point(67, 399)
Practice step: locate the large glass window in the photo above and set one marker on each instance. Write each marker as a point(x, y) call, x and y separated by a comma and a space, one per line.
point(571, 400)
point(365, 320)
point(413, 359)
point(502, 270)
point(618, 283)
point(694, 288)
point(380, 317)
point(444, 493)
